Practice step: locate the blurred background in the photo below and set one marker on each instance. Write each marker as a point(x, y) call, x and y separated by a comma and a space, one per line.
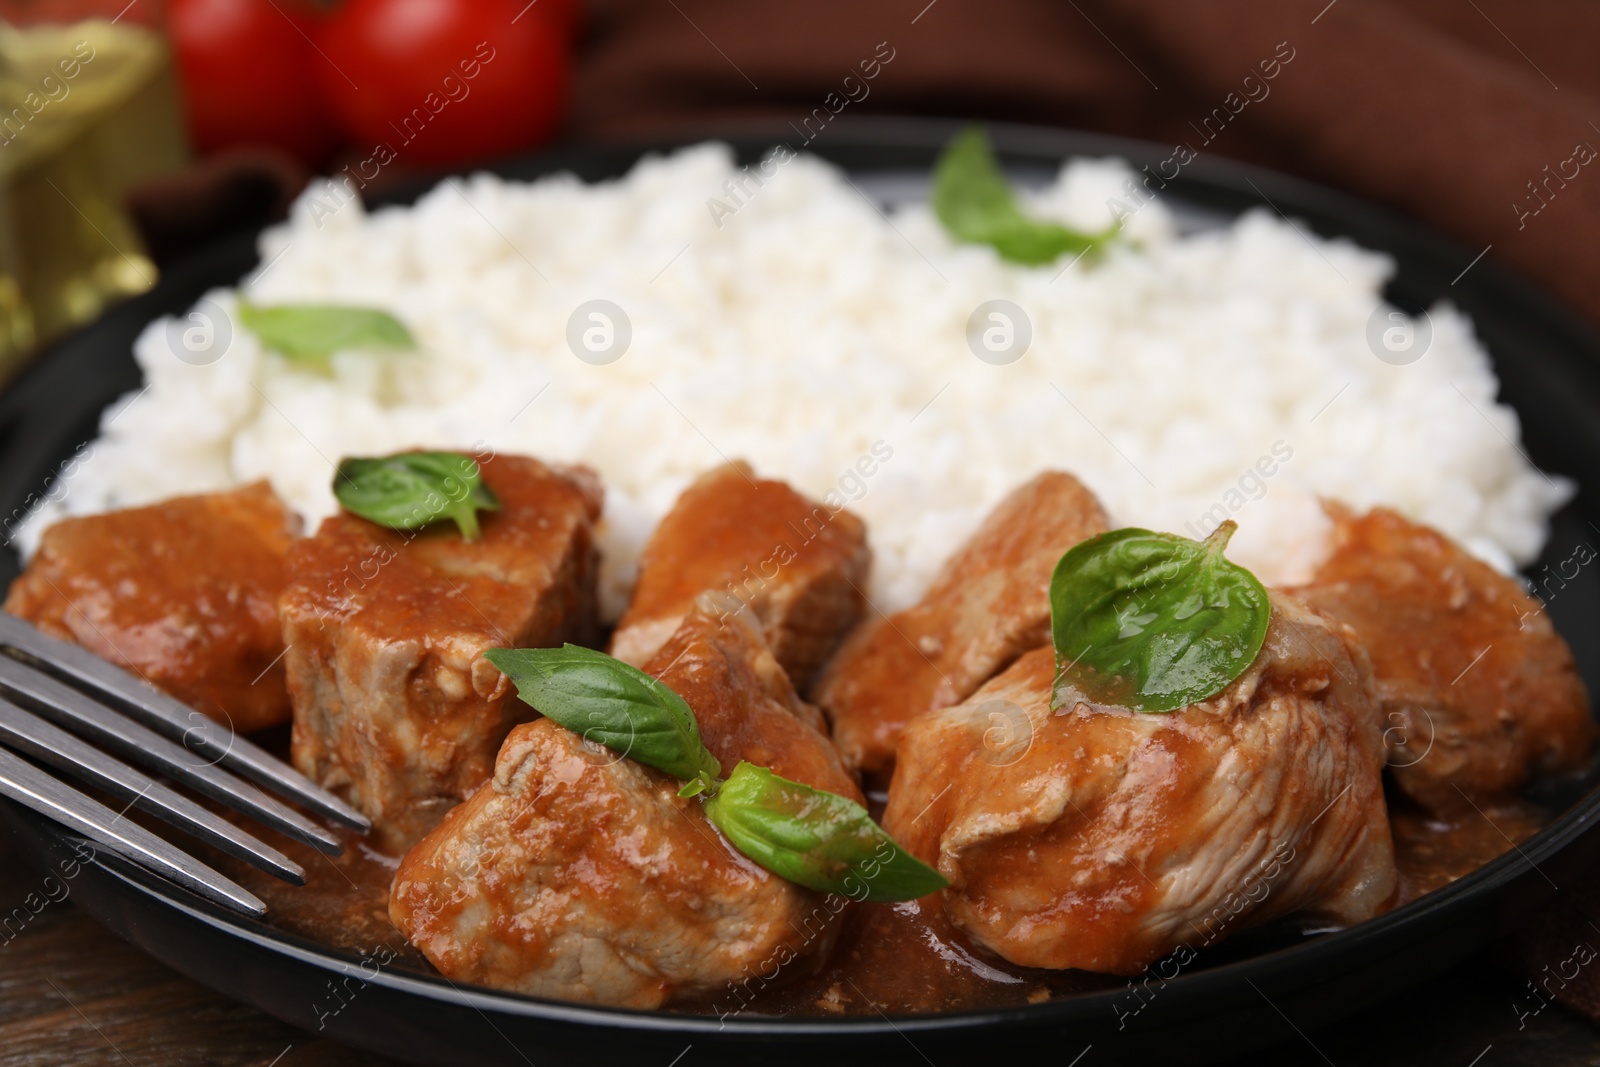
point(132, 133)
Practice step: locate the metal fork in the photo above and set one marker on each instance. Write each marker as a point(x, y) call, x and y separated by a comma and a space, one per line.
point(56, 698)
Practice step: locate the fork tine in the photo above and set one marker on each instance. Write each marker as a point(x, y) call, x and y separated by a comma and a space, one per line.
point(173, 719)
point(32, 788)
point(68, 707)
point(32, 736)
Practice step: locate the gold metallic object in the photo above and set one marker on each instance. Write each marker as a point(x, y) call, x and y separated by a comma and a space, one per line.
point(87, 109)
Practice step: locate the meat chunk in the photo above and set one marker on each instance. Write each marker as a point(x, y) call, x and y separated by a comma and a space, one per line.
point(799, 565)
point(743, 699)
point(1103, 839)
point(1477, 691)
point(395, 708)
point(183, 593)
point(989, 604)
point(580, 874)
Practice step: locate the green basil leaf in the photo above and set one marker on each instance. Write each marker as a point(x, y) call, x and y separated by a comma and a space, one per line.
point(1153, 621)
point(819, 839)
point(695, 786)
point(413, 489)
point(610, 703)
point(307, 331)
point(972, 199)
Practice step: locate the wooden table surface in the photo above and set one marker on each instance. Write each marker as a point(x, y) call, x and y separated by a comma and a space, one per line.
point(71, 993)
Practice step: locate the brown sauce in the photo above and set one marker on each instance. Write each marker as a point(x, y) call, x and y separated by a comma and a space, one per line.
point(1430, 853)
point(892, 958)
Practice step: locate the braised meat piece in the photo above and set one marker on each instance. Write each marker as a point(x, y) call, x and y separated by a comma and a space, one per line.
point(1477, 692)
point(799, 565)
point(183, 593)
point(742, 698)
point(1102, 839)
point(395, 708)
point(989, 604)
point(579, 874)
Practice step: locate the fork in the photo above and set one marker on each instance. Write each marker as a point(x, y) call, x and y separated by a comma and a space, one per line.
point(59, 701)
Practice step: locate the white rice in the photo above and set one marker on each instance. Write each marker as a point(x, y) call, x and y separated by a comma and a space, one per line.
point(807, 327)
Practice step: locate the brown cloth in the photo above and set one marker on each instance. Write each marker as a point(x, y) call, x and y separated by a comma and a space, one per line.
point(222, 194)
point(1444, 109)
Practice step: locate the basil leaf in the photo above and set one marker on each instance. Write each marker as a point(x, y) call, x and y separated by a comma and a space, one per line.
point(1153, 621)
point(972, 199)
point(413, 489)
point(305, 331)
point(610, 703)
point(819, 839)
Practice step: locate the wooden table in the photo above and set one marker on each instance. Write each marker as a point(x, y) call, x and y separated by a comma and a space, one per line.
point(71, 993)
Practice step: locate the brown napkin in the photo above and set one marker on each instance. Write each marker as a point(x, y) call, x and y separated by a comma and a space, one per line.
point(242, 188)
point(1444, 109)
point(1553, 949)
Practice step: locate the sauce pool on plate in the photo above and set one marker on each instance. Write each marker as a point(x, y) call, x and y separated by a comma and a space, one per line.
point(900, 959)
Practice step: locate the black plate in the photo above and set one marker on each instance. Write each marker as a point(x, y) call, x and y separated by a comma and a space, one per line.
point(1549, 367)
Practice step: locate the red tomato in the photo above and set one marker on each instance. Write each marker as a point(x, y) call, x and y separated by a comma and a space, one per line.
point(246, 70)
point(445, 81)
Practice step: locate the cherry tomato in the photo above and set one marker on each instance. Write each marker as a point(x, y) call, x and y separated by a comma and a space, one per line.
point(246, 68)
point(445, 81)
